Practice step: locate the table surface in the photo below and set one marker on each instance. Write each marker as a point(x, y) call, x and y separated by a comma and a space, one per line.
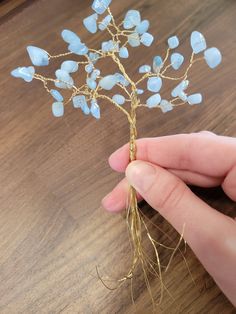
point(54, 172)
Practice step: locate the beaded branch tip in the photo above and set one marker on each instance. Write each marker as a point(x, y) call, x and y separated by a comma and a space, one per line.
point(131, 33)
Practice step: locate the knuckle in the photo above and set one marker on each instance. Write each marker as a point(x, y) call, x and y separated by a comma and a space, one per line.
point(172, 194)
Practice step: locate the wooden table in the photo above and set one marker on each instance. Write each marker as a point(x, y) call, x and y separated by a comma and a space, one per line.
point(54, 173)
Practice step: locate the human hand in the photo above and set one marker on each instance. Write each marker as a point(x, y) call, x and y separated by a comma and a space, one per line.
point(163, 168)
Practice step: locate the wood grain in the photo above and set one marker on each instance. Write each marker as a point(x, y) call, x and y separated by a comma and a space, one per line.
point(54, 173)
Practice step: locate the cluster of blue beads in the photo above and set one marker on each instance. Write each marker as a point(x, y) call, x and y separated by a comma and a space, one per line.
point(138, 34)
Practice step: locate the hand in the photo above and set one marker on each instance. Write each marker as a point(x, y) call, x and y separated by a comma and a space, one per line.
point(163, 168)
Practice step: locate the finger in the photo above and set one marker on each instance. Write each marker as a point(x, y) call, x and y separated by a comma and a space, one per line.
point(198, 179)
point(211, 235)
point(210, 155)
point(117, 199)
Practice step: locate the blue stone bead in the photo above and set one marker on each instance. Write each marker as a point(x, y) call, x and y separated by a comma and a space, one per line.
point(69, 36)
point(91, 83)
point(96, 73)
point(176, 60)
point(56, 95)
point(165, 106)
point(198, 42)
point(119, 99)
point(38, 56)
point(90, 23)
point(79, 101)
point(145, 69)
point(93, 56)
point(124, 53)
point(133, 18)
point(153, 101)
point(121, 79)
point(70, 66)
point(26, 73)
point(147, 39)
point(213, 57)
point(78, 48)
point(89, 68)
point(142, 27)
point(154, 84)
point(173, 42)
point(58, 109)
point(95, 109)
point(128, 24)
point(108, 82)
point(104, 23)
point(194, 99)
point(110, 46)
point(134, 40)
point(183, 96)
point(65, 80)
point(157, 64)
point(140, 91)
point(179, 88)
point(100, 6)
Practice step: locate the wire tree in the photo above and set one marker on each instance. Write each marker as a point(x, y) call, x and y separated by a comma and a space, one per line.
point(131, 32)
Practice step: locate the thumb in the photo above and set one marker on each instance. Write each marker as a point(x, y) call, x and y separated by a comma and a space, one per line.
point(211, 235)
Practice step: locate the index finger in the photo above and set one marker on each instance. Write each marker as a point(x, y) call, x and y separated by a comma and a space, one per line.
point(209, 155)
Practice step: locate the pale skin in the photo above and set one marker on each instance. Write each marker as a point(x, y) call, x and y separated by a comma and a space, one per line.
point(160, 175)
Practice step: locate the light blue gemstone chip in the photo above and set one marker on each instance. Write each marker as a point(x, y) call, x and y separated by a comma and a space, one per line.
point(180, 88)
point(90, 23)
point(100, 6)
point(38, 56)
point(56, 95)
point(198, 42)
point(132, 19)
point(95, 109)
point(124, 53)
point(147, 39)
point(26, 73)
point(79, 101)
point(145, 68)
point(108, 82)
point(91, 83)
point(78, 48)
point(65, 80)
point(110, 45)
point(154, 84)
point(69, 37)
point(153, 101)
point(89, 68)
point(121, 79)
point(142, 27)
point(134, 40)
point(93, 56)
point(104, 23)
point(194, 99)
point(95, 74)
point(176, 60)
point(213, 57)
point(165, 106)
point(157, 63)
point(140, 91)
point(119, 99)
point(173, 42)
point(58, 109)
point(70, 66)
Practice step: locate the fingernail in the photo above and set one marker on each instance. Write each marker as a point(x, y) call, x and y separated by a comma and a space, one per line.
point(141, 175)
point(109, 204)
